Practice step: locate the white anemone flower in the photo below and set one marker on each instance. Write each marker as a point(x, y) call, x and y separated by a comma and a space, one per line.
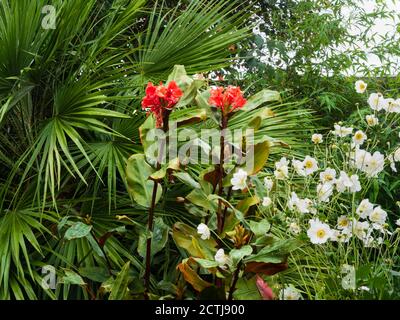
point(342, 131)
point(359, 137)
point(343, 222)
point(392, 163)
point(293, 200)
point(360, 228)
point(317, 138)
point(396, 155)
point(204, 231)
point(343, 182)
point(239, 180)
point(305, 205)
point(299, 167)
point(294, 228)
point(360, 158)
point(221, 258)
point(300, 205)
point(395, 106)
point(392, 105)
point(378, 215)
point(318, 232)
point(268, 183)
point(360, 86)
point(364, 209)
point(356, 185)
point(328, 176)
point(282, 169)
point(324, 191)
point(266, 201)
point(310, 165)
point(372, 120)
point(289, 293)
point(374, 101)
point(375, 164)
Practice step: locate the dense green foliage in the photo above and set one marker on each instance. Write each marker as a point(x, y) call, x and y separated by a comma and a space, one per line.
point(70, 118)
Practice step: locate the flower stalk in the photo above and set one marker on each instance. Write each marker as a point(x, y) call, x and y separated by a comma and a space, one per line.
point(221, 174)
point(159, 100)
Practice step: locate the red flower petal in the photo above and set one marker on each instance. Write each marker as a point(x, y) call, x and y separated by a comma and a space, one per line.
point(265, 291)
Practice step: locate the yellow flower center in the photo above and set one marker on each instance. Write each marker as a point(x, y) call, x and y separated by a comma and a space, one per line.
point(344, 223)
point(362, 86)
point(309, 164)
point(359, 136)
point(321, 233)
point(328, 177)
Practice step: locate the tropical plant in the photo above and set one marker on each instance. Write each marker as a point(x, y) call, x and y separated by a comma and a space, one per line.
point(68, 118)
point(69, 121)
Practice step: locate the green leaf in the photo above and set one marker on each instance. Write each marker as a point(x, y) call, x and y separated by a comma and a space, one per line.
point(140, 187)
point(245, 204)
point(260, 228)
point(188, 85)
point(246, 289)
point(238, 254)
point(215, 198)
point(199, 198)
point(187, 238)
point(207, 264)
point(97, 274)
point(180, 76)
point(187, 179)
point(275, 253)
point(159, 238)
point(72, 277)
point(191, 275)
point(173, 165)
point(258, 118)
point(77, 230)
point(260, 98)
point(95, 246)
point(148, 124)
point(119, 289)
point(188, 116)
point(261, 153)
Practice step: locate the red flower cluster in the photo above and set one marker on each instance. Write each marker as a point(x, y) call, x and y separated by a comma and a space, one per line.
point(227, 99)
point(161, 98)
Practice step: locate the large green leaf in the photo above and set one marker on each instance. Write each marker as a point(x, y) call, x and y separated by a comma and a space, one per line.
point(260, 228)
point(140, 187)
point(261, 97)
point(275, 253)
point(119, 289)
point(77, 230)
point(159, 238)
point(187, 238)
point(72, 277)
point(238, 254)
point(246, 289)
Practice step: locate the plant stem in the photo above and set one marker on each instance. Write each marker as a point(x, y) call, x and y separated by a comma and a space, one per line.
point(220, 218)
point(150, 222)
point(234, 281)
point(148, 244)
point(228, 197)
point(221, 172)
